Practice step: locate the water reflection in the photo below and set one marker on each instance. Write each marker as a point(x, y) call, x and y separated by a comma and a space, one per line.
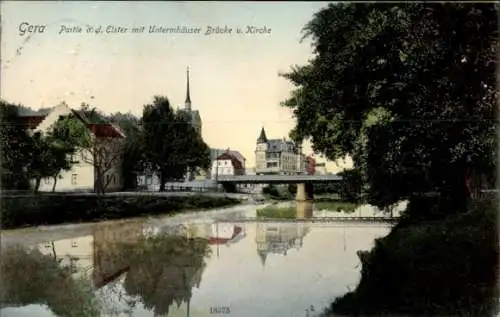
point(143, 268)
point(31, 277)
point(164, 269)
point(304, 209)
point(279, 238)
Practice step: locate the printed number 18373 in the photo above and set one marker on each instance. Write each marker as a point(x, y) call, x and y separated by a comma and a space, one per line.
point(220, 310)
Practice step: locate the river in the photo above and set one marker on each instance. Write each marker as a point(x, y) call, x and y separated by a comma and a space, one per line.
point(220, 262)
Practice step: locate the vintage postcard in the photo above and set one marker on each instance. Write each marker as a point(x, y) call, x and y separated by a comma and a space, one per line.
point(248, 159)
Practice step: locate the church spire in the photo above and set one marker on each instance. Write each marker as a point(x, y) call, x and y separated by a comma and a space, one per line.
point(262, 137)
point(187, 103)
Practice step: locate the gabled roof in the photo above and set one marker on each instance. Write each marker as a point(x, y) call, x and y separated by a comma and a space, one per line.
point(238, 155)
point(237, 164)
point(217, 240)
point(105, 130)
point(32, 121)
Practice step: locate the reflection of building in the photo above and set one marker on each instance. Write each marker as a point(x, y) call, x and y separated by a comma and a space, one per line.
point(277, 156)
point(215, 233)
point(95, 255)
point(75, 253)
point(108, 262)
point(278, 238)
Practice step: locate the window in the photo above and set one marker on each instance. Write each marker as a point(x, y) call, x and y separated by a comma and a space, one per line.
point(47, 180)
point(83, 155)
point(74, 244)
point(72, 265)
point(73, 159)
point(73, 179)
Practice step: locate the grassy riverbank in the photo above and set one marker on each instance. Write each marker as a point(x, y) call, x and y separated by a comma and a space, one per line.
point(277, 212)
point(36, 210)
point(289, 211)
point(443, 267)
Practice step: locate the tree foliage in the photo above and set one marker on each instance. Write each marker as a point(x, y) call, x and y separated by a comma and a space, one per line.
point(175, 265)
point(133, 152)
point(30, 277)
point(171, 145)
point(49, 156)
point(15, 146)
point(406, 90)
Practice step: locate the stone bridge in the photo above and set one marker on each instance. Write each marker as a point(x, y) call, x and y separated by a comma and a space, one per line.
point(304, 182)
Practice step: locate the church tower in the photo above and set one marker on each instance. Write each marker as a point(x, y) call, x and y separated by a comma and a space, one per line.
point(193, 115)
point(187, 103)
point(260, 151)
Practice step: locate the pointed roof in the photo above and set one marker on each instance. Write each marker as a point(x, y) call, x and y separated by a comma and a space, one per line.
point(262, 137)
point(188, 95)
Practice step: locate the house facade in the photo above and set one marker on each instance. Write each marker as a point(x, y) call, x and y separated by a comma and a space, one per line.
point(320, 169)
point(228, 163)
point(278, 156)
point(107, 140)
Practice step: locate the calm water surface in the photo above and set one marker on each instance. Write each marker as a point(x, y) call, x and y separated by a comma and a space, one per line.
point(195, 264)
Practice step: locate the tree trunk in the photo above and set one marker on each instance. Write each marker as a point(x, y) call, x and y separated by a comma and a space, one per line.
point(55, 183)
point(98, 185)
point(54, 250)
point(162, 181)
point(37, 184)
point(457, 193)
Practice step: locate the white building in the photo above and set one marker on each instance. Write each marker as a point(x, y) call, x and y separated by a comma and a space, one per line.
point(228, 163)
point(321, 169)
point(278, 156)
point(83, 174)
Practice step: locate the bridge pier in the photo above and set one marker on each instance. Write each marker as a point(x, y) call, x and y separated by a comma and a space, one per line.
point(304, 192)
point(304, 209)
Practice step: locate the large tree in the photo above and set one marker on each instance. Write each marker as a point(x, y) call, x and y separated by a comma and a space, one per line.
point(50, 155)
point(16, 147)
point(406, 90)
point(171, 145)
point(133, 153)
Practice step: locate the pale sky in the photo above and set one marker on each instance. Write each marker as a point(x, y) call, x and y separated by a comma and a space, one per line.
point(233, 77)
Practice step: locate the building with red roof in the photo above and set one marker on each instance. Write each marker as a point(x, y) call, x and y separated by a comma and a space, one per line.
point(107, 148)
point(228, 163)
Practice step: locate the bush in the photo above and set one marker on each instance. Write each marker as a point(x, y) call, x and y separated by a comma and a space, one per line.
point(22, 211)
point(271, 191)
point(443, 268)
point(278, 212)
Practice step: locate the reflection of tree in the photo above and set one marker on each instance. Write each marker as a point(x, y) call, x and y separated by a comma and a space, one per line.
point(164, 269)
point(29, 277)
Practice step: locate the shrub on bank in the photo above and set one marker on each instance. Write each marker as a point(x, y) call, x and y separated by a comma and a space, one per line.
point(443, 267)
point(278, 212)
point(23, 211)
